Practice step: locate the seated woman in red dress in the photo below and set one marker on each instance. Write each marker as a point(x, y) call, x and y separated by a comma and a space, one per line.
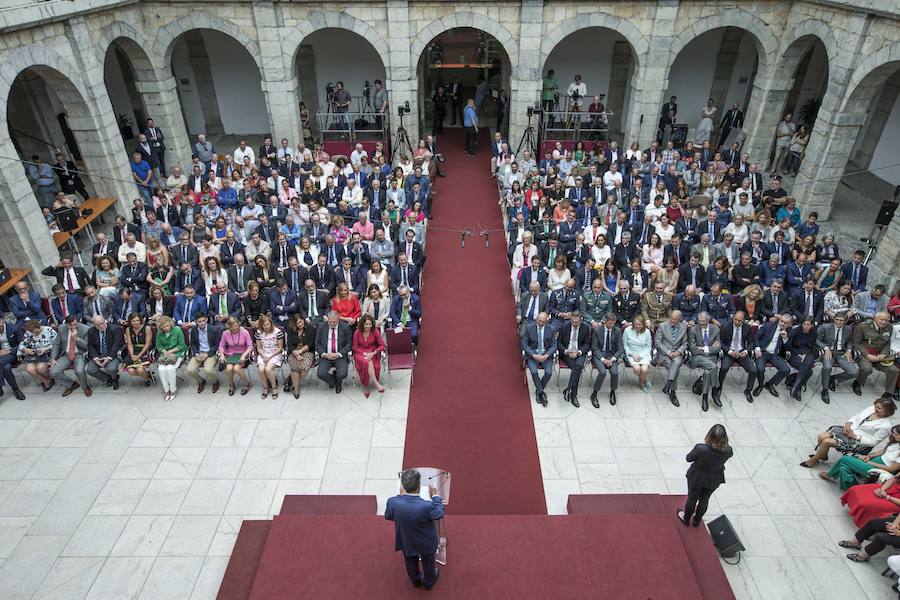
point(367, 348)
point(872, 500)
point(346, 305)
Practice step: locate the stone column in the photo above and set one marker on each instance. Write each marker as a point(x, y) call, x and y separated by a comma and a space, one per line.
point(309, 85)
point(618, 84)
point(525, 81)
point(651, 80)
point(401, 81)
point(277, 79)
point(160, 94)
point(93, 121)
point(761, 117)
point(882, 105)
point(25, 240)
point(203, 81)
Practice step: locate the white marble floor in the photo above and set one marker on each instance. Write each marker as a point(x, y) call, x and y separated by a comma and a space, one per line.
point(788, 518)
point(123, 496)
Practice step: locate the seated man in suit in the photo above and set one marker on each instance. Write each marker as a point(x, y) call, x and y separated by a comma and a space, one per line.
point(835, 343)
point(866, 303)
point(347, 273)
point(768, 347)
point(704, 343)
point(406, 311)
point(73, 279)
point(95, 304)
point(573, 342)
point(530, 304)
point(204, 345)
point(856, 271)
point(809, 302)
point(104, 343)
point(223, 303)
point(333, 344)
point(69, 348)
point(671, 341)
point(797, 272)
point(186, 276)
point(312, 303)
point(719, 305)
point(780, 249)
point(404, 273)
point(688, 302)
point(128, 302)
point(535, 273)
point(103, 247)
point(323, 276)
point(737, 347)
point(775, 302)
point(415, 532)
point(282, 303)
point(692, 274)
point(134, 274)
point(64, 304)
point(187, 306)
point(538, 348)
point(26, 305)
point(240, 274)
point(184, 252)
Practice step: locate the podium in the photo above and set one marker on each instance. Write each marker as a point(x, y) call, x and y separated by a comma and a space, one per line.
point(440, 480)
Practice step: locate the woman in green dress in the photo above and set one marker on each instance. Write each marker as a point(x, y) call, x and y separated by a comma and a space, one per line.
point(848, 467)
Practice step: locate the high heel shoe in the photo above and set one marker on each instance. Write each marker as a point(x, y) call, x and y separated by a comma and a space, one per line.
point(231, 389)
point(381, 389)
point(265, 393)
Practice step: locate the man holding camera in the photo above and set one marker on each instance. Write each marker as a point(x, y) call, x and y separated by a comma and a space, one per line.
point(576, 92)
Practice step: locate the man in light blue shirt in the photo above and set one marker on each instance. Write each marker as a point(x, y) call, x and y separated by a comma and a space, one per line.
point(470, 121)
point(41, 174)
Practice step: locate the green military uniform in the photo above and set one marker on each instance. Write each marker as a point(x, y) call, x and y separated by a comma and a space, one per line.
point(656, 310)
point(595, 306)
point(869, 340)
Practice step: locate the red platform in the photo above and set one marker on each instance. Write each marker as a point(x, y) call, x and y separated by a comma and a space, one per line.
point(610, 546)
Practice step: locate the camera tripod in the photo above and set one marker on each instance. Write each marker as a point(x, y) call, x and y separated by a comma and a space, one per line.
point(401, 139)
point(529, 139)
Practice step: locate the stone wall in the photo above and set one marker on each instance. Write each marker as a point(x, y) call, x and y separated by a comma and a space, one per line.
point(860, 38)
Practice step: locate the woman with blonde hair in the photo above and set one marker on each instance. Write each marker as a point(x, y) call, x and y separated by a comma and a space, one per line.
point(170, 349)
point(706, 473)
point(269, 342)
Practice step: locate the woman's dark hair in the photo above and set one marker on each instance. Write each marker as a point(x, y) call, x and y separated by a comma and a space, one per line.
point(887, 403)
point(293, 322)
point(717, 438)
point(895, 430)
point(364, 319)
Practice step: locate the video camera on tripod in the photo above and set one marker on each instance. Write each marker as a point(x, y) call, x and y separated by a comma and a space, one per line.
point(367, 90)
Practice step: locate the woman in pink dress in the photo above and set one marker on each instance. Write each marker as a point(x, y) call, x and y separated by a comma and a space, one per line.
point(367, 348)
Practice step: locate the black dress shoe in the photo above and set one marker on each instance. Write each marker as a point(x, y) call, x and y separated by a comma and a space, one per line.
point(537, 398)
point(749, 396)
point(717, 400)
point(612, 398)
point(795, 394)
point(566, 394)
point(437, 574)
point(705, 404)
point(757, 391)
point(338, 387)
point(109, 381)
point(417, 583)
point(544, 398)
point(825, 398)
point(832, 383)
point(790, 380)
point(18, 394)
point(116, 383)
point(574, 400)
point(771, 389)
point(666, 388)
point(594, 401)
point(857, 389)
point(674, 399)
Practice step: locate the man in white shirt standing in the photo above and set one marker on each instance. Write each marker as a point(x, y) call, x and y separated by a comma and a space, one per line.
point(241, 151)
point(611, 177)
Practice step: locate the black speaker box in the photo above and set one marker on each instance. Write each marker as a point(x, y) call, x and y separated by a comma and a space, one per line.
point(724, 537)
point(886, 213)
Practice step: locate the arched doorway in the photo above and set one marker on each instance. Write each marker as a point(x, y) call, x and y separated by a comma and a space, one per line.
point(219, 87)
point(720, 65)
point(46, 116)
point(474, 61)
point(327, 56)
point(121, 79)
point(606, 63)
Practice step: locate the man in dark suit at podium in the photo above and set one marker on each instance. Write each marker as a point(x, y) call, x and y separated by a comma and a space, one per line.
point(416, 534)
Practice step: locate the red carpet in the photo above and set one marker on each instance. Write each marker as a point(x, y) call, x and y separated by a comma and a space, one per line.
point(244, 562)
point(468, 410)
point(622, 557)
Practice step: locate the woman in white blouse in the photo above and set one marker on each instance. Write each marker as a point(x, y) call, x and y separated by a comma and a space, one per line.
point(559, 274)
point(858, 435)
point(521, 256)
point(593, 230)
point(377, 306)
point(738, 229)
point(378, 276)
point(665, 229)
point(600, 251)
point(652, 255)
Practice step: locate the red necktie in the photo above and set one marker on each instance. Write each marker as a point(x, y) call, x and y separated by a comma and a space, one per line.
point(69, 282)
point(334, 340)
point(62, 308)
point(71, 352)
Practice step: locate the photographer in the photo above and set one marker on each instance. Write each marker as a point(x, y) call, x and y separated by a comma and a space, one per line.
point(439, 101)
point(576, 93)
point(380, 103)
point(342, 101)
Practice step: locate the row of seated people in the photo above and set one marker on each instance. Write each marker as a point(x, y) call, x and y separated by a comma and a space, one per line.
point(712, 348)
point(103, 349)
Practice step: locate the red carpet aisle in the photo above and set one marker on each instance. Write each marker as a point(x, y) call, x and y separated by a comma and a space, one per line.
point(468, 410)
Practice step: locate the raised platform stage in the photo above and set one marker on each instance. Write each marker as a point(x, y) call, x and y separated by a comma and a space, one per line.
point(609, 546)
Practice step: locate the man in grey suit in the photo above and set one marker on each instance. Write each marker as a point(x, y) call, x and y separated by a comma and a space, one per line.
point(671, 344)
point(704, 344)
point(835, 342)
point(868, 302)
point(728, 249)
point(530, 304)
point(607, 352)
point(538, 347)
point(95, 304)
point(68, 352)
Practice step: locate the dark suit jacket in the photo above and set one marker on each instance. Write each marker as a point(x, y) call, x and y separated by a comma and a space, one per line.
point(281, 315)
point(689, 307)
point(344, 339)
point(415, 309)
point(130, 228)
point(249, 272)
point(795, 275)
point(526, 276)
point(321, 301)
point(74, 306)
point(232, 304)
point(683, 251)
point(714, 230)
point(214, 335)
point(181, 280)
point(227, 253)
point(798, 302)
point(59, 273)
point(525, 302)
point(134, 277)
point(616, 349)
point(707, 468)
point(336, 253)
point(767, 304)
point(764, 337)
point(622, 255)
point(412, 275)
point(529, 341)
point(847, 270)
point(114, 342)
point(112, 248)
point(174, 216)
point(637, 234)
point(178, 252)
point(727, 330)
point(136, 305)
point(414, 530)
point(30, 310)
point(785, 251)
point(325, 280)
point(565, 336)
point(168, 305)
point(684, 277)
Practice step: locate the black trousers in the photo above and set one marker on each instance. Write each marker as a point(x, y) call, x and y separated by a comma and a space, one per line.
point(437, 124)
point(6, 367)
point(876, 530)
point(456, 112)
point(78, 188)
point(323, 371)
point(470, 140)
point(804, 367)
point(746, 363)
point(697, 502)
point(429, 570)
point(161, 158)
point(776, 361)
point(576, 366)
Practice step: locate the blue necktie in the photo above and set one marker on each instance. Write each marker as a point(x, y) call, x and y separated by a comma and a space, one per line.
point(102, 344)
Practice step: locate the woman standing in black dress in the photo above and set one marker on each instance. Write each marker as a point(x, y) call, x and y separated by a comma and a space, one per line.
point(706, 473)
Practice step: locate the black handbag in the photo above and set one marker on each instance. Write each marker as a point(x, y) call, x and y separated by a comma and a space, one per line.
point(697, 388)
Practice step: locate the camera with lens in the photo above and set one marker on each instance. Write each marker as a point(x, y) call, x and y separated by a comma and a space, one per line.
point(367, 90)
point(403, 109)
point(329, 90)
point(575, 96)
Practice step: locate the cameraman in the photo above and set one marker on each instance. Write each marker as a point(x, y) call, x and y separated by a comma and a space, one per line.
point(576, 93)
point(380, 104)
point(342, 101)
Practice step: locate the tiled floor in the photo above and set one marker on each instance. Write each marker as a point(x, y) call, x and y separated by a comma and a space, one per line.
point(789, 520)
point(123, 496)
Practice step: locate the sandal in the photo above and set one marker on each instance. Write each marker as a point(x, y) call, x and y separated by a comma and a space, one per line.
point(274, 395)
point(857, 558)
point(265, 393)
point(824, 475)
point(231, 389)
point(244, 390)
point(846, 544)
point(806, 464)
point(678, 513)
